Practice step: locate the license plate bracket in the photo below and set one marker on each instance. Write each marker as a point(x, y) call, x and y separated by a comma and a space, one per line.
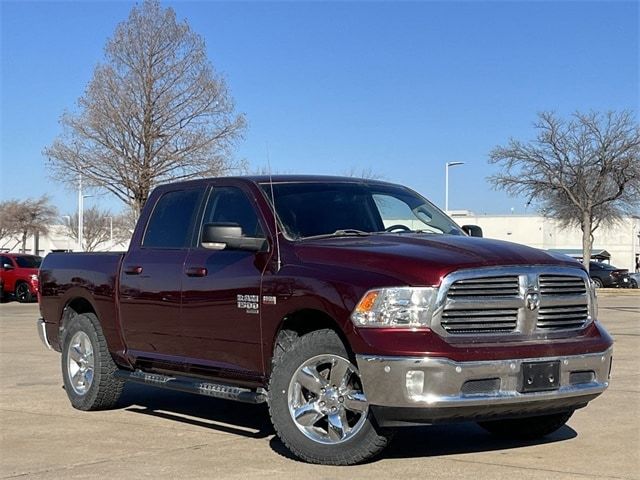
point(540, 376)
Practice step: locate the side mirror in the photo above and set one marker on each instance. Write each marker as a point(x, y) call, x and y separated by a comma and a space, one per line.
point(218, 236)
point(7, 266)
point(472, 230)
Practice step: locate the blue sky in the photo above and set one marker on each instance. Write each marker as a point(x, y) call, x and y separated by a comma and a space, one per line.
point(396, 87)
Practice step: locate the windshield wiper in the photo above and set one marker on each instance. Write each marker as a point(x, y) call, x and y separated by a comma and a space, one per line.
point(349, 232)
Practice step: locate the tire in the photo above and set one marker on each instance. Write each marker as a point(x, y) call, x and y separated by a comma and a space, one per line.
point(87, 366)
point(528, 428)
point(22, 293)
point(312, 359)
point(597, 282)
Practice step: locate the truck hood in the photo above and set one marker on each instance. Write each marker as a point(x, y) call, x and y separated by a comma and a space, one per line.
point(422, 259)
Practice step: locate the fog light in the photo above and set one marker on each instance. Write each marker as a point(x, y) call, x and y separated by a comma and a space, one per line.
point(415, 382)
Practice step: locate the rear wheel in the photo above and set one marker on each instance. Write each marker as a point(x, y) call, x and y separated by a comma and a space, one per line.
point(317, 404)
point(528, 428)
point(597, 282)
point(23, 294)
point(87, 367)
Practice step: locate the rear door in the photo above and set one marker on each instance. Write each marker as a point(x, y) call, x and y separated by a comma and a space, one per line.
point(221, 292)
point(151, 275)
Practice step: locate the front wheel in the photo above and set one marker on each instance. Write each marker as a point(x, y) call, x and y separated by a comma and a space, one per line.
point(597, 283)
point(317, 404)
point(528, 428)
point(88, 370)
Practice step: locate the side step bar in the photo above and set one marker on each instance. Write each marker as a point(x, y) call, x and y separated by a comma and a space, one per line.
point(194, 385)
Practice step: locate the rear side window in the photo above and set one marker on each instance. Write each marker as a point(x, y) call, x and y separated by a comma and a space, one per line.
point(171, 222)
point(29, 262)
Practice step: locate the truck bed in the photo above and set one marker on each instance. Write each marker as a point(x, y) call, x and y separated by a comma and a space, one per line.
point(92, 277)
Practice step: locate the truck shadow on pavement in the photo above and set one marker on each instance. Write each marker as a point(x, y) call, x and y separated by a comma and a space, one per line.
point(225, 416)
point(443, 440)
point(253, 421)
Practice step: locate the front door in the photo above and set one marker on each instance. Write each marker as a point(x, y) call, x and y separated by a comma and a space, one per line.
point(221, 292)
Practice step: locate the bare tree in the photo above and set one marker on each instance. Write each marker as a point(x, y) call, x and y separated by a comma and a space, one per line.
point(155, 111)
point(99, 228)
point(366, 173)
point(8, 227)
point(30, 217)
point(584, 171)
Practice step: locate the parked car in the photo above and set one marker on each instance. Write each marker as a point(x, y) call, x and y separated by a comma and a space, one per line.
point(605, 275)
point(19, 274)
point(354, 307)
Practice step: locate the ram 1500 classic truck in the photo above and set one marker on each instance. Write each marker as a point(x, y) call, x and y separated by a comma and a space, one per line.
point(356, 307)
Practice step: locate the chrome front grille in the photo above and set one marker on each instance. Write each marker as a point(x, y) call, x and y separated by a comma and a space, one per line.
point(562, 285)
point(485, 287)
point(519, 302)
point(561, 317)
point(480, 321)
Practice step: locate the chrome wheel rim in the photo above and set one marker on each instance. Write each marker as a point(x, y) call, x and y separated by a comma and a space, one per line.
point(326, 401)
point(80, 363)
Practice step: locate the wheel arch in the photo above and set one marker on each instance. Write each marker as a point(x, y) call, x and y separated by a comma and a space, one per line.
point(74, 305)
point(300, 322)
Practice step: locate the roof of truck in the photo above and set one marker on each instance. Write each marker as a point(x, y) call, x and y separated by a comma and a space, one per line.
point(286, 179)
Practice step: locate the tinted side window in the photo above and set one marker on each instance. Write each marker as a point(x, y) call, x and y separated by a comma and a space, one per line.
point(4, 260)
point(231, 205)
point(29, 262)
point(171, 220)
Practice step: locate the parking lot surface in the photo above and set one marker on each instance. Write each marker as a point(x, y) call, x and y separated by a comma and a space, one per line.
point(162, 434)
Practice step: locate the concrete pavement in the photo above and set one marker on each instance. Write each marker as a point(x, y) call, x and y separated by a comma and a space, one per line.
point(164, 434)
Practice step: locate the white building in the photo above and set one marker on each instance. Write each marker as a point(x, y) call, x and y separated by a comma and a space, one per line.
point(56, 239)
point(622, 240)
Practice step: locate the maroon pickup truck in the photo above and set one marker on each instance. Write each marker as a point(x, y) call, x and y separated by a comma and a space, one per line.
point(356, 307)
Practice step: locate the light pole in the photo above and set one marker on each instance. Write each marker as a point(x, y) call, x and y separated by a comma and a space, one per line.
point(81, 198)
point(80, 209)
point(446, 183)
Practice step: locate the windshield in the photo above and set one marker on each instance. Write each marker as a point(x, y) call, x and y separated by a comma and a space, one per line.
point(312, 209)
point(29, 262)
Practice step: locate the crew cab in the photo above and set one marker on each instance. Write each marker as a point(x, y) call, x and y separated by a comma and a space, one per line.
point(351, 306)
point(19, 273)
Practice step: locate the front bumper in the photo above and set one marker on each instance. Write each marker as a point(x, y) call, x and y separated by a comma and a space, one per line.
point(428, 389)
point(42, 333)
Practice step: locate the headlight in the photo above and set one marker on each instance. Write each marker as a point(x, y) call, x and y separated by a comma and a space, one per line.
point(593, 301)
point(395, 307)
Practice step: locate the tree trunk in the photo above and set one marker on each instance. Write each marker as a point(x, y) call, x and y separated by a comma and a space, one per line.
point(24, 242)
point(587, 239)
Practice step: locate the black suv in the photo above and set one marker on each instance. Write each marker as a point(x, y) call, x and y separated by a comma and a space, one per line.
point(605, 275)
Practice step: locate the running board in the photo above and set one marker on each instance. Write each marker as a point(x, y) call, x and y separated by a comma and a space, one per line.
point(194, 385)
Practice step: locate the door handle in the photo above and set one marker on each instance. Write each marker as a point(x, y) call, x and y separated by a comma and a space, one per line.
point(133, 270)
point(196, 272)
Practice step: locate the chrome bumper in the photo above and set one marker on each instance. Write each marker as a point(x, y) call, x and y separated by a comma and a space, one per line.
point(439, 382)
point(42, 333)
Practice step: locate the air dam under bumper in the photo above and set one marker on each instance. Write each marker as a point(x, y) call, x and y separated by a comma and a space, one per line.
point(407, 390)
